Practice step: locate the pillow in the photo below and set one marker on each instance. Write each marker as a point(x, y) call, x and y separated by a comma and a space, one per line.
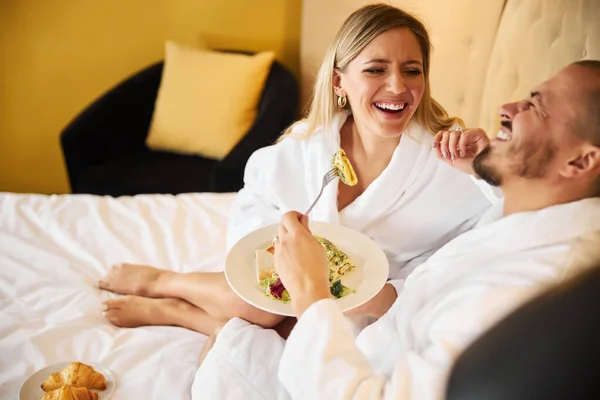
point(207, 100)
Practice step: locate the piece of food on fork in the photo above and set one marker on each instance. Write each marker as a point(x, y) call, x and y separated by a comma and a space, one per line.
point(345, 171)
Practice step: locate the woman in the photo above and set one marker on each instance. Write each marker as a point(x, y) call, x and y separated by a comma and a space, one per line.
point(372, 99)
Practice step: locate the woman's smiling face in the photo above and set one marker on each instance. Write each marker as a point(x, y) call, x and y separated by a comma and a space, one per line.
point(384, 84)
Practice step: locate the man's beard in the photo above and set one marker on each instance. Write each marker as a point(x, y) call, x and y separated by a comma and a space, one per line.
point(486, 172)
point(528, 162)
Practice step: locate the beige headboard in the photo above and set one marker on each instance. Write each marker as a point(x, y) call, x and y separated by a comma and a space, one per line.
point(485, 52)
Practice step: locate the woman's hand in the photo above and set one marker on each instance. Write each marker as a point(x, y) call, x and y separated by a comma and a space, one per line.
point(458, 148)
point(301, 262)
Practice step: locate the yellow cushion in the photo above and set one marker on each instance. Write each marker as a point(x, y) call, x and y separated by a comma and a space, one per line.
point(207, 100)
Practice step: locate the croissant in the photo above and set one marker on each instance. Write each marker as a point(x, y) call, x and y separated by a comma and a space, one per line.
point(75, 374)
point(68, 392)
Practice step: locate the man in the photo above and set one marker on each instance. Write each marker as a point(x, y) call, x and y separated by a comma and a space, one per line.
point(546, 160)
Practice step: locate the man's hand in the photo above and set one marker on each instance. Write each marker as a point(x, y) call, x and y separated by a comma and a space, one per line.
point(458, 148)
point(301, 262)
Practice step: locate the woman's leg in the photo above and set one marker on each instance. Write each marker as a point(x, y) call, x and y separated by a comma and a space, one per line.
point(132, 311)
point(209, 292)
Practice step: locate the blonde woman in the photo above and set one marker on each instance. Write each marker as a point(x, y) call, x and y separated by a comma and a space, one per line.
point(372, 99)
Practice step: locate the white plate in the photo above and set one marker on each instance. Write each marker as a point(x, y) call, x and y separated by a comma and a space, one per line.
point(32, 390)
point(366, 279)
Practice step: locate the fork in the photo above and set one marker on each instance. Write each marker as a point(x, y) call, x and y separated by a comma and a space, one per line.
point(329, 176)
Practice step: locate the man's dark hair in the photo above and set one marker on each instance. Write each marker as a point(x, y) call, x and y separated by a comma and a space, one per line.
point(588, 122)
point(588, 125)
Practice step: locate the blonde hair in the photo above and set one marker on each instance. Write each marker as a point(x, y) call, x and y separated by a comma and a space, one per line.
point(359, 29)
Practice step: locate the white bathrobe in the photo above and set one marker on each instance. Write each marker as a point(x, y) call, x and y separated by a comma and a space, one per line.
point(446, 303)
point(414, 207)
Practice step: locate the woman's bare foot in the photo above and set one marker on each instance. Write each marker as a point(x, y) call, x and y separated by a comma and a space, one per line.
point(135, 279)
point(133, 311)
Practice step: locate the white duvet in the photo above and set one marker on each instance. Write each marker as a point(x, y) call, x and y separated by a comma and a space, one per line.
point(54, 249)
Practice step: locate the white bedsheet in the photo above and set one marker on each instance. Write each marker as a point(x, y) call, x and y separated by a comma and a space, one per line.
point(54, 249)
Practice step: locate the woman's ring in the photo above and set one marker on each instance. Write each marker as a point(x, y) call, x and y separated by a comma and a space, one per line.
point(459, 129)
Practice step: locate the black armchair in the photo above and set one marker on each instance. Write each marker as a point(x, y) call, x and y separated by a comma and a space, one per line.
point(548, 349)
point(105, 152)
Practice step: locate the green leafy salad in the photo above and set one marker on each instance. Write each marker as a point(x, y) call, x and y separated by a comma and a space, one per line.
point(271, 285)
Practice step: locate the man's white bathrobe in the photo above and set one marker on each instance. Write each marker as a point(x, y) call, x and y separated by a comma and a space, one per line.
point(415, 206)
point(461, 291)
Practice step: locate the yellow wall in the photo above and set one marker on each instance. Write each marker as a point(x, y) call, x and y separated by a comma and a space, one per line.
point(57, 56)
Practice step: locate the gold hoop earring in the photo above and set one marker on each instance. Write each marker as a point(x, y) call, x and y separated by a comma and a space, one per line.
point(342, 101)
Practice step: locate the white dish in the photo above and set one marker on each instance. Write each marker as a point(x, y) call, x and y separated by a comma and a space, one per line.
point(366, 279)
point(32, 390)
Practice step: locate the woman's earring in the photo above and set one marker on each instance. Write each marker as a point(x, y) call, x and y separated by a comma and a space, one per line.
point(342, 101)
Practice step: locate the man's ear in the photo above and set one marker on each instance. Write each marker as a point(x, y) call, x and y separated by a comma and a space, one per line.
point(586, 163)
point(337, 83)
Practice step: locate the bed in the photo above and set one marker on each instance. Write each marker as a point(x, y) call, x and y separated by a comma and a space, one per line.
point(54, 249)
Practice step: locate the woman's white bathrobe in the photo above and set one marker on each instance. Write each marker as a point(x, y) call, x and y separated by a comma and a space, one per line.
point(414, 207)
point(461, 291)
